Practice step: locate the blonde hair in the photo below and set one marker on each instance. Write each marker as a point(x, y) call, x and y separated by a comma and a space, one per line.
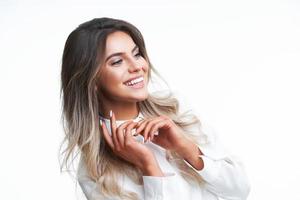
point(80, 109)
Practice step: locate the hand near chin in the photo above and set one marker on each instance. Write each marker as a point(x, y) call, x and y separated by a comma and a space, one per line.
point(124, 145)
point(162, 131)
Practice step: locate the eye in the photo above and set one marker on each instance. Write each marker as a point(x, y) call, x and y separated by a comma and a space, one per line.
point(117, 62)
point(138, 54)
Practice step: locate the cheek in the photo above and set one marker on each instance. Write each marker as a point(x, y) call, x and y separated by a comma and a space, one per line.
point(115, 80)
point(111, 79)
point(145, 66)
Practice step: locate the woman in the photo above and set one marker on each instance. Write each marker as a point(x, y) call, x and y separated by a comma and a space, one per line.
point(135, 145)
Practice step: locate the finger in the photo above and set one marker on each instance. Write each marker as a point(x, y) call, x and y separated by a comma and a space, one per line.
point(149, 126)
point(141, 126)
point(106, 135)
point(129, 134)
point(113, 127)
point(138, 125)
point(154, 130)
point(128, 139)
point(129, 129)
point(155, 127)
point(121, 131)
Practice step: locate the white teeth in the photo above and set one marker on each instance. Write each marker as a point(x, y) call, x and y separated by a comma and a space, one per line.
point(134, 81)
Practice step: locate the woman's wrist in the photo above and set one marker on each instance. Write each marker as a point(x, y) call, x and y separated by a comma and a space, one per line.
point(151, 168)
point(190, 152)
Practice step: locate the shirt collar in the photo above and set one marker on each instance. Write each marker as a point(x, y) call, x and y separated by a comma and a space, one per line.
point(119, 122)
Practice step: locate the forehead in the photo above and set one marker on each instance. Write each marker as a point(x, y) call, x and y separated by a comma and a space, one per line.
point(118, 42)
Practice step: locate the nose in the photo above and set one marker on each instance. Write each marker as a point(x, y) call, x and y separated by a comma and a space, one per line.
point(134, 67)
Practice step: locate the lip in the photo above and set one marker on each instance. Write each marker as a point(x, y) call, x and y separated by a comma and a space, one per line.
point(137, 86)
point(132, 79)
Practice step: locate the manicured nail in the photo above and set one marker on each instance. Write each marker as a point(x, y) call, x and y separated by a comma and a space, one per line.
point(110, 113)
point(101, 122)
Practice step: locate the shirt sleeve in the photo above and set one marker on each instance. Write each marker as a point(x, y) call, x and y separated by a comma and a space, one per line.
point(88, 186)
point(153, 188)
point(224, 174)
point(160, 188)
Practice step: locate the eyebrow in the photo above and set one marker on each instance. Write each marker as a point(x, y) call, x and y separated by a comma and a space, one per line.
point(120, 53)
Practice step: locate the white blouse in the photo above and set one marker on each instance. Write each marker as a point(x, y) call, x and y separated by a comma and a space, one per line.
point(224, 176)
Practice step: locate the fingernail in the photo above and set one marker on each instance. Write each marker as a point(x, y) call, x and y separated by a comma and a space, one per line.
point(101, 122)
point(110, 113)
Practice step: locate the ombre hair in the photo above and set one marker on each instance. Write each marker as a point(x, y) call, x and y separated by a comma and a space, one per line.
point(81, 63)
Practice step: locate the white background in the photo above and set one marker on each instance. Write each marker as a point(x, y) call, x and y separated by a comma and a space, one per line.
point(237, 63)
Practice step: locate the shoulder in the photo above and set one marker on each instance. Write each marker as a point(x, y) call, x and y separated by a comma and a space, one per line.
point(82, 173)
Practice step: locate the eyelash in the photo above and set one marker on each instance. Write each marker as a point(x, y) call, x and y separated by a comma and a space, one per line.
point(119, 61)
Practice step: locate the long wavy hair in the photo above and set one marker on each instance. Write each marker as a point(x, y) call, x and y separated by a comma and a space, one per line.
point(81, 62)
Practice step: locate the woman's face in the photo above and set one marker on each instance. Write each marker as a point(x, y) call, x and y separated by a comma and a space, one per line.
point(122, 63)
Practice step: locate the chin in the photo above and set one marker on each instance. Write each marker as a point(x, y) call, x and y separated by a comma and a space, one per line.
point(141, 97)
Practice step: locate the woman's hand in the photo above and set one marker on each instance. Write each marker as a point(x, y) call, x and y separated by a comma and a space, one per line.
point(163, 132)
point(125, 146)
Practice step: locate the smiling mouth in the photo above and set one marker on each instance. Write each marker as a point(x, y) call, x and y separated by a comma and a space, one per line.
point(136, 83)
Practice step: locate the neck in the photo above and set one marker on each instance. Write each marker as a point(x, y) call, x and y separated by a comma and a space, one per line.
point(121, 110)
